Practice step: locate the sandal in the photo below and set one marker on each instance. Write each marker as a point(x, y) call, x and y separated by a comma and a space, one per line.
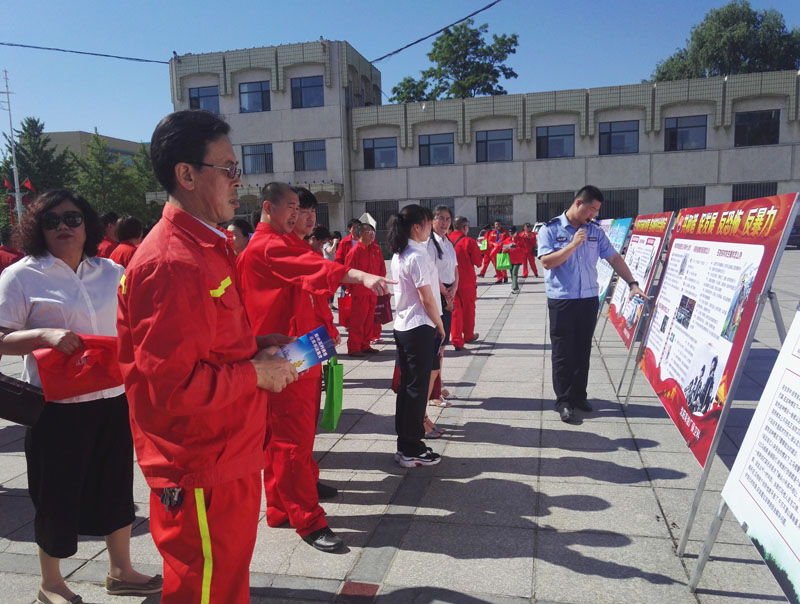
point(446, 395)
point(440, 402)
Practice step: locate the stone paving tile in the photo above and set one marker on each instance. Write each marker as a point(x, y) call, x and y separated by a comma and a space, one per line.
point(595, 436)
point(613, 467)
point(466, 460)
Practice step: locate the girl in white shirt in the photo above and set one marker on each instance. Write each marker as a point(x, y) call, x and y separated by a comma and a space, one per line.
point(418, 329)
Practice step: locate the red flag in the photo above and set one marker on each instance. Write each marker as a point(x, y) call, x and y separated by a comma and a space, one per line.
point(7, 184)
point(27, 184)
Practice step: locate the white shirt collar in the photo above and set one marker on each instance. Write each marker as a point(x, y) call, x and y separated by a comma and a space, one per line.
point(208, 226)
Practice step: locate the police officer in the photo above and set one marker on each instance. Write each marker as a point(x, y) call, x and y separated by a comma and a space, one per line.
point(569, 248)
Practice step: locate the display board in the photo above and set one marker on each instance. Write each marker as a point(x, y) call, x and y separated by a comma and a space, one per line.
point(763, 488)
point(616, 230)
point(644, 250)
point(718, 265)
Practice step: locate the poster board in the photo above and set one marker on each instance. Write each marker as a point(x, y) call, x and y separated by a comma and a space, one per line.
point(763, 488)
point(644, 250)
point(616, 229)
point(719, 264)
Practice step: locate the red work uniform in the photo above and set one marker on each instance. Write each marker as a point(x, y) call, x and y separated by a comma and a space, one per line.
point(279, 278)
point(197, 415)
point(8, 256)
point(468, 256)
point(493, 238)
point(362, 315)
point(345, 245)
point(105, 247)
point(529, 240)
point(514, 248)
point(122, 254)
point(377, 328)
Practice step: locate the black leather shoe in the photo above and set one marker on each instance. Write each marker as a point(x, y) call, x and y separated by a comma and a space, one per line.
point(325, 491)
point(566, 414)
point(324, 540)
point(583, 405)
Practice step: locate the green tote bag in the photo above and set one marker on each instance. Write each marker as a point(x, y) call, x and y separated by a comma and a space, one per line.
point(334, 378)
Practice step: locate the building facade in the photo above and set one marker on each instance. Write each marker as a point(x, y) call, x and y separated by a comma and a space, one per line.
point(312, 114)
point(78, 141)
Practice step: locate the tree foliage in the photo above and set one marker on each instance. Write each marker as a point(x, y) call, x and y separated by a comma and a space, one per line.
point(734, 39)
point(464, 65)
point(37, 159)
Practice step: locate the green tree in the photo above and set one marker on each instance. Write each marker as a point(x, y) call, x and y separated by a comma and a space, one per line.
point(37, 159)
point(734, 39)
point(464, 65)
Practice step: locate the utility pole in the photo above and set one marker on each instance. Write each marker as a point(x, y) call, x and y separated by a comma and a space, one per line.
point(17, 192)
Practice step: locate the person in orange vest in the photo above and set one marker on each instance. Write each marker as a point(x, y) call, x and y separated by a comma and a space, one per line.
point(468, 256)
point(516, 250)
point(195, 375)
point(279, 280)
point(367, 257)
point(528, 238)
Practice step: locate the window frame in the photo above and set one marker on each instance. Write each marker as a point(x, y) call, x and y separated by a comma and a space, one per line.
point(543, 137)
point(484, 145)
point(741, 131)
point(302, 154)
point(260, 92)
point(678, 198)
point(195, 99)
point(677, 128)
point(268, 158)
point(369, 145)
point(608, 138)
point(299, 99)
point(425, 148)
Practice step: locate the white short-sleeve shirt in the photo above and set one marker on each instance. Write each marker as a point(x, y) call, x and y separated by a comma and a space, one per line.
point(413, 268)
point(446, 265)
point(42, 291)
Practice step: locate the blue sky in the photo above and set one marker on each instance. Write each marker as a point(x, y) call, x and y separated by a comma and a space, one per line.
point(562, 44)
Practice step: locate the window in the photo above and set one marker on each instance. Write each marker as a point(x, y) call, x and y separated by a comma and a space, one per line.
point(493, 145)
point(323, 216)
point(757, 128)
point(677, 198)
point(309, 155)
point(685, 133)
point(307, 92)
point(753, 190)
point(435, 149)
point(550, 205)
point(204, 98)
point(620, 203)
point(380, 153)
point(619, 137)
point(555, 141)
point(257, 159)
point(431, 204)
point(254, 97)
point(381, 211)
point(495, 207)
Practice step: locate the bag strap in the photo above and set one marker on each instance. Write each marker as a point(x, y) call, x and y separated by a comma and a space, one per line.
point(459, 239)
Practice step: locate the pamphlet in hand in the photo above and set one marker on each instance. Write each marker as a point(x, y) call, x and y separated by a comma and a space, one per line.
point(308, 350)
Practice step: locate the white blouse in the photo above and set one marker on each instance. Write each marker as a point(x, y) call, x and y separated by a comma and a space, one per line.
point(413, 269)
point(446, 265)
point(42, 291)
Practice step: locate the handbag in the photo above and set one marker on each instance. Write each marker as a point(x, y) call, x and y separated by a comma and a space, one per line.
point(503, 261)
point(20, 402)
point(334, 378)
point(345, 305)
point(383, 309)
point(483, 245)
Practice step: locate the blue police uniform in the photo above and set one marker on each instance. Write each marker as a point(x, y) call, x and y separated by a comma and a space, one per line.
point(572, 302)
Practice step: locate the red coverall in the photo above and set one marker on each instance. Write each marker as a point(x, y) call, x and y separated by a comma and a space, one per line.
point(345, 245)
point(529, 240)
point(8, 256)
point(468, 256)
point(122, 254)
point(377, 328)
point(362, 316)
point(197, 416)
point(279, 276)
point(490, 255)
point(105, 247)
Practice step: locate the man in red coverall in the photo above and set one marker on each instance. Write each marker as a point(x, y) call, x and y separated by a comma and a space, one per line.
point(493, 238)
point(110, 240)
point(468, 256)
point(349, 241)
point(367, 257)
point(8, 254)
point(194, 373)
point(279, 279)
point(528, 238)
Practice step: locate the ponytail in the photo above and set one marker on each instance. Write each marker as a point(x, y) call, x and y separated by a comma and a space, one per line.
point(400, 226)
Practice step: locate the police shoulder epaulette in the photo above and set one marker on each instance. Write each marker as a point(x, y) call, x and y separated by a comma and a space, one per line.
point(551, 221)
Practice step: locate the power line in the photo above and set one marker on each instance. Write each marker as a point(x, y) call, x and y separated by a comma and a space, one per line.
point(82, 52)
point(394, 52)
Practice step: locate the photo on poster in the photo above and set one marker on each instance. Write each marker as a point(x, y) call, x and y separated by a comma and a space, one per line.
point(734, 316)
point(684, 313)
point(702, 389)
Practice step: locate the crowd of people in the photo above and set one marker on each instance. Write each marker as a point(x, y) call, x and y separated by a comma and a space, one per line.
point(198, 312)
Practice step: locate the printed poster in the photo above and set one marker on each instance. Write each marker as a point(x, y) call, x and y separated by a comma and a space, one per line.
point(717, 267)
point(644, 250)
point(308, 350)
point(763, 488)
point(616, 230)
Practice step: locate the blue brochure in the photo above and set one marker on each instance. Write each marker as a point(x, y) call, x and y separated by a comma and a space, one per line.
point(308, 350)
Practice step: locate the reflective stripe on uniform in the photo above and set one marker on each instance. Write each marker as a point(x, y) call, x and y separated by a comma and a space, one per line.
point(122, 285)
point(216, 293)
point(205, 536)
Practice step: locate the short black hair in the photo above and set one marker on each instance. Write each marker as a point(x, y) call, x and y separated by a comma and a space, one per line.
point(307, 199)
point(273, 192)
point(183, 136)
point(336, 235)
point(129, 228)
point(109, 218)
point(243, 226)
point(321, 232)
point(351, 222)
point(589, 193)
point(5, 235)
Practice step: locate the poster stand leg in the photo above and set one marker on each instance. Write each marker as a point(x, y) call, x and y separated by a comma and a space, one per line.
point(776, 311)
point(705, 553)
point(644, 319)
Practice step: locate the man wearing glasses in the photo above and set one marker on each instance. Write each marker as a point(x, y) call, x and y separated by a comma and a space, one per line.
point(194, 372)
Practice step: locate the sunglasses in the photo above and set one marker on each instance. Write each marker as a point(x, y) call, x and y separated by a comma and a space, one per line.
point(51, 220)
point(232, 170)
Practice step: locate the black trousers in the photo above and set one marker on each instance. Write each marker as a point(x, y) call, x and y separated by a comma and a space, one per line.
point(572, 324)
point(415, 356)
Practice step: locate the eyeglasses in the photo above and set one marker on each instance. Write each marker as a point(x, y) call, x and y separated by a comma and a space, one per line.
point(233, 170)
point(51, 220)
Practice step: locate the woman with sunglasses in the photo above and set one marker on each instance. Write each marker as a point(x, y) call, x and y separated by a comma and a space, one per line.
point(80, 453)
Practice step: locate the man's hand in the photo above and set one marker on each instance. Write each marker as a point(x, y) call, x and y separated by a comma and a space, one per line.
point(273, 373)
point(273, 339)
point(378, 285)
point(579, 238)
point(637, 291)
point(62, 340)
point(338, 339)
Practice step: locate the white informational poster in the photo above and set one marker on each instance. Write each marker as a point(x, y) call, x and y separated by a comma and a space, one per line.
point(616, 229)
point(763, 488)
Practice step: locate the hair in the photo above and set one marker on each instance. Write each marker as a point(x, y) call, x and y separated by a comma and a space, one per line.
point(274, 192)
point(183, 137)
point(6, 234)
point(512, 230)
point(109, 218)
point(588, 194)
point(321, 232)
point(255, 218)
point(361, 228)
point(31, 236)
point(351, 222)
point(442, 208)
point(459, 222)
point(400, 226)
point(129, 228)
point(243, 226)
point(307, 199)
point(498, 220)
point(527, 224)
point(336, 235)
point(150, 226)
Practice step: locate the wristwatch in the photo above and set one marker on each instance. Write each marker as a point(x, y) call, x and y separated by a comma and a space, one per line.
point(632, 283)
